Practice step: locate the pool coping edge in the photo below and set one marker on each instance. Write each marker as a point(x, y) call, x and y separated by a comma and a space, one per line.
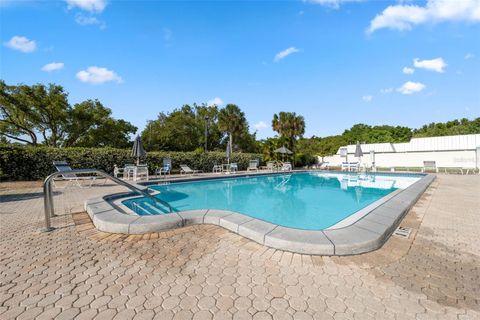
point(364, 235)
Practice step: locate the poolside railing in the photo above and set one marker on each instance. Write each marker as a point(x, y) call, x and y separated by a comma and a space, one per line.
point(48, 193)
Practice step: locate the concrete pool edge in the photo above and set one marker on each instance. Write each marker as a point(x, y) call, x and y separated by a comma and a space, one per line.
point(368, 233)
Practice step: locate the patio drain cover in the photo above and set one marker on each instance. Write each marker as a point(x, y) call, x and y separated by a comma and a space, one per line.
point(403, 232)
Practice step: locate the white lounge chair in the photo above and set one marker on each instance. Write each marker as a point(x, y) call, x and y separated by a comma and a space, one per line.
point(253, 165)
point(184, 169)
point(71, 177)
point(324, 166)
point(429, 166)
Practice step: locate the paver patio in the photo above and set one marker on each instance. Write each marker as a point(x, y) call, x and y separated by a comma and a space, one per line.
point(207, 272)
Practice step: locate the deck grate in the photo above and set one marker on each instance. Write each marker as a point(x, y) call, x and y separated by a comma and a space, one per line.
point(403, 232)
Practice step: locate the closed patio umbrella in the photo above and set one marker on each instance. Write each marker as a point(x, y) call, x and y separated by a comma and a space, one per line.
point(358, 151)
point(228, 152)
point(138, 150)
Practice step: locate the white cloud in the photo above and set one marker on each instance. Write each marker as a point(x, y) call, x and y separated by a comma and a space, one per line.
point(260, 125)
point(437, 65)
point(53, 66)
point(367, 98)
point(22, 44)
point(386, 91)
point(88, 5)
point(410, 87)
point(96, 75)
point(469, 56)
point(215, 101)
point(285, 53)
point(89, 20)
point(408, 70)
point(331, 3)
point(405, 16)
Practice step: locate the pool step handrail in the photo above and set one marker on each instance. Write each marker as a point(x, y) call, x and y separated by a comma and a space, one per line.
point(48, 194)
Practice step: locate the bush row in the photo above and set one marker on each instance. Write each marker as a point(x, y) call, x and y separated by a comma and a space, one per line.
point(36, 163)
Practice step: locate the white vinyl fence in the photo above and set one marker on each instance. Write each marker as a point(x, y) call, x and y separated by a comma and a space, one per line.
point(462, 151)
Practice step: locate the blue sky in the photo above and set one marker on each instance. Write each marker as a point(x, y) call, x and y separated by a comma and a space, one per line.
point(336, 62)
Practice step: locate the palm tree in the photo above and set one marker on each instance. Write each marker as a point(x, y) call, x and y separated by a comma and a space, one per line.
point(290, 126)
point(232, 120)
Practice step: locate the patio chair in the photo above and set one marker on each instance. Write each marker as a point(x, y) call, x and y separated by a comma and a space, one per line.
point(429, 165)
point(253, 165)
point(71, 177)
point(140, 171)
point(233, 168)
point(354, 166)
point(129, 171)
point(184, 169)
point(271, 165)
point(217, 168)
point(286, 166)
point(166, 167)
point(117, 171)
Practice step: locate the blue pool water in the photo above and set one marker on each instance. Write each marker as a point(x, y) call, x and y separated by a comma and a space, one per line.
point(307, 200)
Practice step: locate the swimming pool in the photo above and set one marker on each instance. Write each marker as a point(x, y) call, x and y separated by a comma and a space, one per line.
point(305, 200)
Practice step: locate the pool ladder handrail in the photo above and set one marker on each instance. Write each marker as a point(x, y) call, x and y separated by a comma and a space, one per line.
point(48, 194)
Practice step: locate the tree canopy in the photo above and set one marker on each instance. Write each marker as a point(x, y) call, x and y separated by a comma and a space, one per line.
point(183, 129)
point(450, 128)
point(377, 134)
point(40, 114)
point(290, 126)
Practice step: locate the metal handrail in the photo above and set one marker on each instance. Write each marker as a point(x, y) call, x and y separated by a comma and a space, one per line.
point(48, 194)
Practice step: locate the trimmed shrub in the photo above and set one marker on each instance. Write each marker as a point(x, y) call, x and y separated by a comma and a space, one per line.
point(36, 163)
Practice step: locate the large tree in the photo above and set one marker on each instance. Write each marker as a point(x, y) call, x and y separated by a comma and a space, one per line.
point(91, 125)
point(27, 112)
point(290, 126)
point(41, 114)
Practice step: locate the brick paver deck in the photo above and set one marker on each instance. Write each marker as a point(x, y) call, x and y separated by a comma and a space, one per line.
point(206, 272)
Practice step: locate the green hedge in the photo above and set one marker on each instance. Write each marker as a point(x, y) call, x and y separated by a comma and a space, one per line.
point(35, 163)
